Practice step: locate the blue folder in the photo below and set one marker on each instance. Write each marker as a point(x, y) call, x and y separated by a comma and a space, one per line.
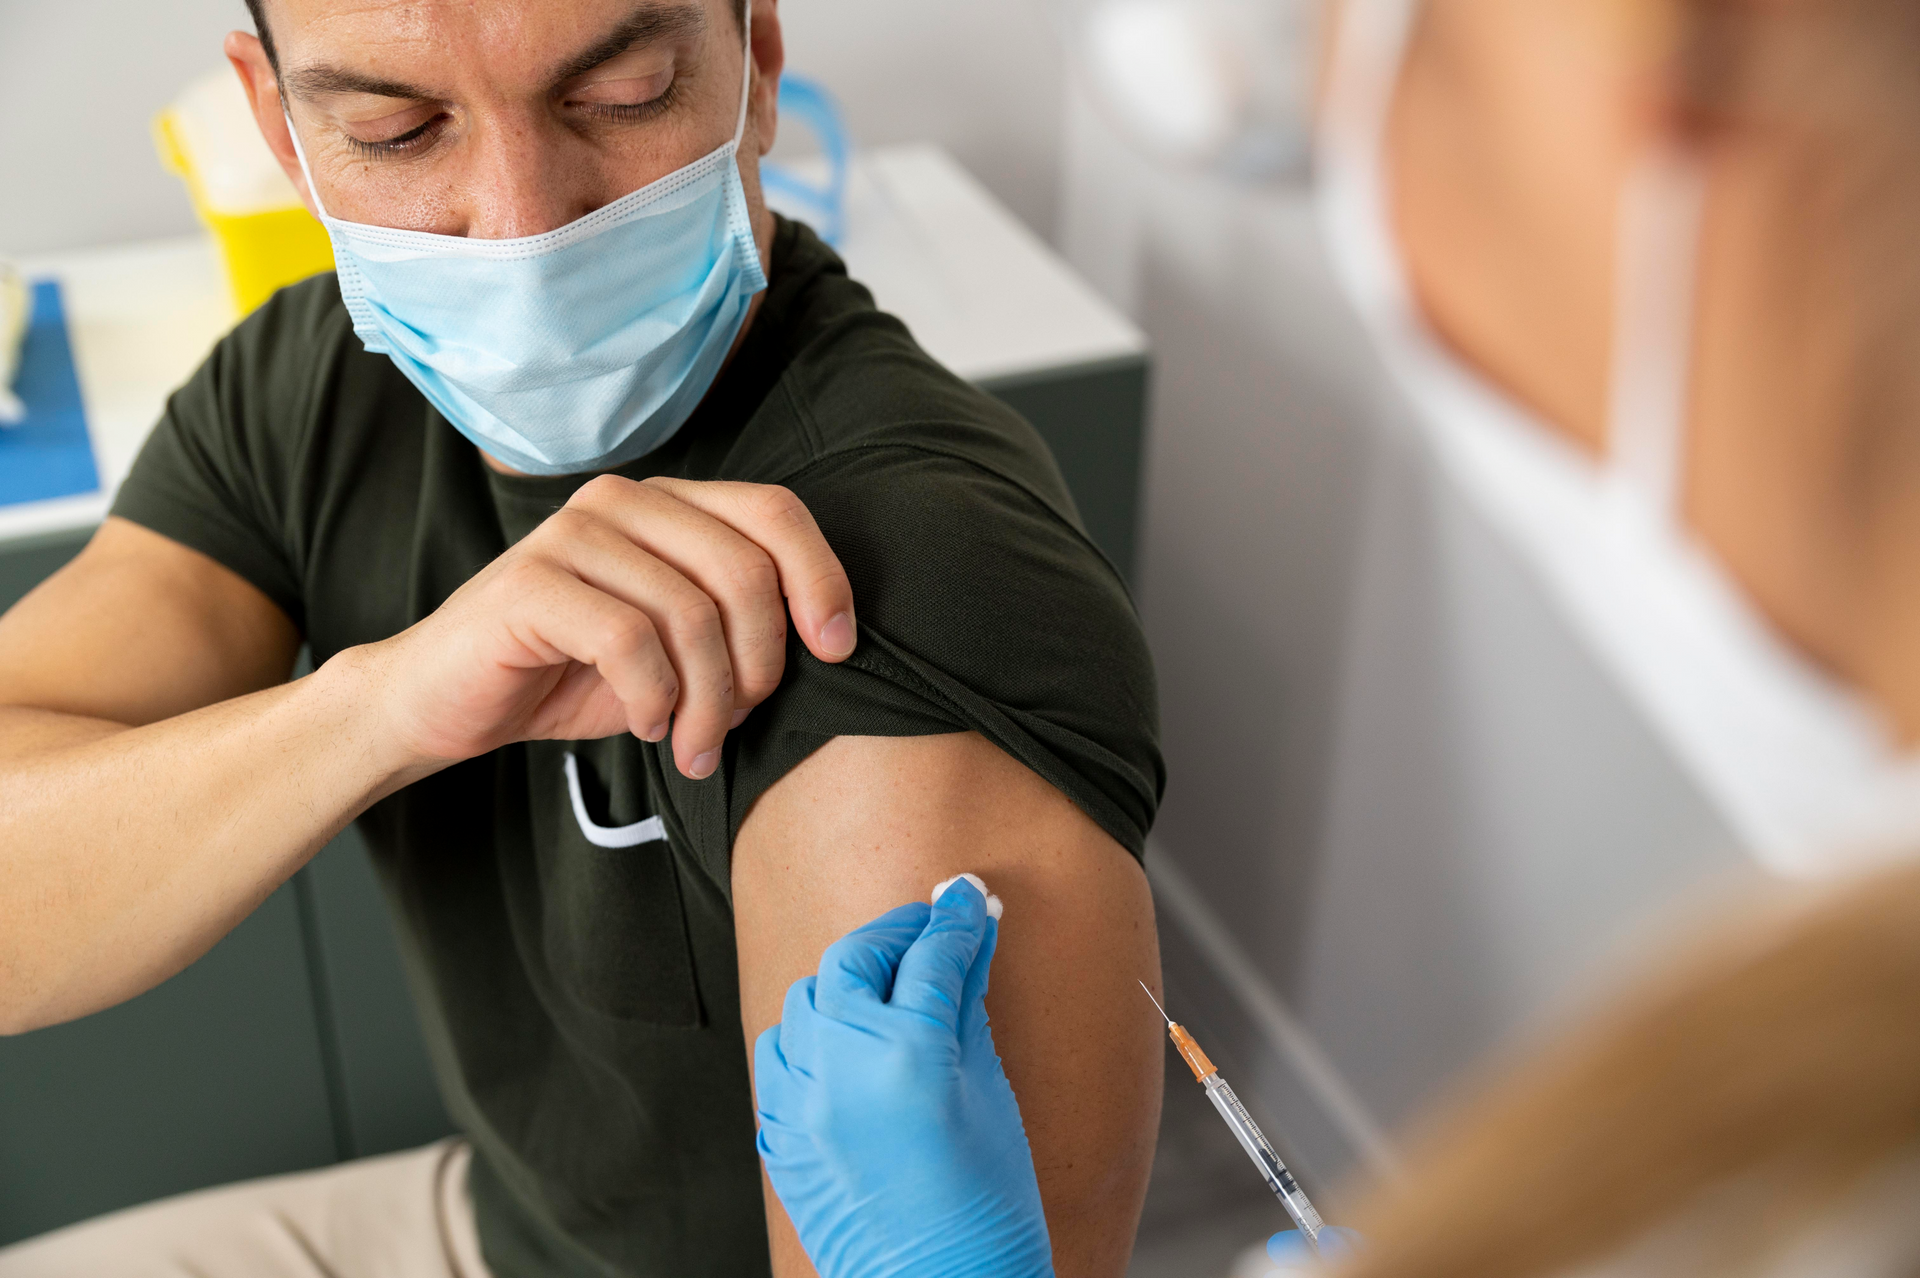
point(48, 454)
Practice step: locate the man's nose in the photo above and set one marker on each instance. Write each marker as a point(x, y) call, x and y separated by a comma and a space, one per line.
point(523, 183)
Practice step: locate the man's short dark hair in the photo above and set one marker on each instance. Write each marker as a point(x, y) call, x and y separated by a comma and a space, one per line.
point(257, 9)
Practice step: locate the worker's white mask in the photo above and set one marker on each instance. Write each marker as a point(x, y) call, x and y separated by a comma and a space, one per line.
point(1805, 770)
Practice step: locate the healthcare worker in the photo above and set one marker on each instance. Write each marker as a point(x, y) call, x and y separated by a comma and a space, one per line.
point(1492, 703)
point(1725, 503)
point(888, 1127)
point(1752, 1109)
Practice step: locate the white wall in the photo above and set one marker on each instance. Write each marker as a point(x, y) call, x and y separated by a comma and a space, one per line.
point(79, 83)
point(982, 77)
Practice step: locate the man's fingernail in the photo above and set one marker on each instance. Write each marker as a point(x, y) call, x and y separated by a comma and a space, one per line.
point(704, 764)
point(658, 732)
point(739, 717)
point(837, 636)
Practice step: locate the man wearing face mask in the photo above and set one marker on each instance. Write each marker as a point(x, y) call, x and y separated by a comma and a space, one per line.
point(537, 477)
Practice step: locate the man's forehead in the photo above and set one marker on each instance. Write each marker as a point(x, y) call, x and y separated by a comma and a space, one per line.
point(441, 14)
point(534, 35)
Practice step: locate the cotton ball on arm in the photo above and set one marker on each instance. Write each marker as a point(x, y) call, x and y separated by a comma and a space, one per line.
point(994, 908)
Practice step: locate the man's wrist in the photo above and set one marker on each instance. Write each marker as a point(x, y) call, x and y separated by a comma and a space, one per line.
point(353, 695)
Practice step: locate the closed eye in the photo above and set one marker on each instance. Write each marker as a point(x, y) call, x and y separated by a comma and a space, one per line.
point(413, 139)
point(630, 111)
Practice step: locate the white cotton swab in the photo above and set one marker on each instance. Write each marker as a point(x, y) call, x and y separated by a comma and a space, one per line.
point(994, 907)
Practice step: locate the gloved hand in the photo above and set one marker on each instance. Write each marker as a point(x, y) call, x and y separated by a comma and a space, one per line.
point(1290, 1252)
point(887, 1125)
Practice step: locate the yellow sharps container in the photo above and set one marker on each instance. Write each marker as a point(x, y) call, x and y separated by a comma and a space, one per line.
point(266, 236)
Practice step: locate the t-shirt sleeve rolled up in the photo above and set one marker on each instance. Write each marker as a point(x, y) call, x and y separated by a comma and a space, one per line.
point(983, 607)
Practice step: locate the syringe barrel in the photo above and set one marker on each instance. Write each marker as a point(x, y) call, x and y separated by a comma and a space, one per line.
point(1261, 1151)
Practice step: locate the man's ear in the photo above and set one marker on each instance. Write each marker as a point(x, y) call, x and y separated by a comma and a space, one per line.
point(769, 59)
point(249, 60)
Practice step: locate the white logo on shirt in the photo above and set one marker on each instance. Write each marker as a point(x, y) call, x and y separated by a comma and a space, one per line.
point(651, 830)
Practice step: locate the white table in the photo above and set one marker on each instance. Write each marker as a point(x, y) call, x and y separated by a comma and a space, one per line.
point(981, 292)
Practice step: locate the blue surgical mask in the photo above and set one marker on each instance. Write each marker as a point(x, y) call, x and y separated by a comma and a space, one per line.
point(575, 350)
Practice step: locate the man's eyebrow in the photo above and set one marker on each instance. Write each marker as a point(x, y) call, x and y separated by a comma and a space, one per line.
point(316, 81)
point(649, 24)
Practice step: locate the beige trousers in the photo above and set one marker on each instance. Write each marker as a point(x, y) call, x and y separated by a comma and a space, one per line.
point(403, 1215)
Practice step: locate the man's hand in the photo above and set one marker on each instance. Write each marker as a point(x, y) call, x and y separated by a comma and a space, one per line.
point(635, 605)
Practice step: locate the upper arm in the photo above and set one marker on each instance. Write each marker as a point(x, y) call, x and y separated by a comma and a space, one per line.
point(867, 823)
point(139, 628)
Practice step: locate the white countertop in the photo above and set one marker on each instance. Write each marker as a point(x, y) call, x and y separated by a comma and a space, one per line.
point(981, 293)
point(140, 318)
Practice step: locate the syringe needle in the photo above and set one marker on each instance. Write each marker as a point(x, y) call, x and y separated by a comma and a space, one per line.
point(1157, 1007)
point(1245, 1130)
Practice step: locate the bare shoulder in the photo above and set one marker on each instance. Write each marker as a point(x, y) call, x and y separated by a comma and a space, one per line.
point(867, 819)
point(139, 628)
point(867, 823)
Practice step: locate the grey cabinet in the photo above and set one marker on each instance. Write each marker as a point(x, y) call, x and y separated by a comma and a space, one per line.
point(291, 1044)
point(216, 1075)
point(1093, 417)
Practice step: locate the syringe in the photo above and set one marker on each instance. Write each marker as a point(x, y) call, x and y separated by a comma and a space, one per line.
point(1251, 1139)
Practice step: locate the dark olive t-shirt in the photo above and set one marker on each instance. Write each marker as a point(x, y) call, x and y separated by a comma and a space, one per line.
point(572, 957)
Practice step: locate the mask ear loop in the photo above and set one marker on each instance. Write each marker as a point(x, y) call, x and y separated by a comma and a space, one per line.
point(300, 153)
point(746, 74)
point(1657, 263)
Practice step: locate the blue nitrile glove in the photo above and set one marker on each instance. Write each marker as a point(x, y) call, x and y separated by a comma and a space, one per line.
point(887, 1125)
point(1290, 1252)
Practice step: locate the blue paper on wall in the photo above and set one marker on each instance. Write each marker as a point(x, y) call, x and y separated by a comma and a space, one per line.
point(48, 454)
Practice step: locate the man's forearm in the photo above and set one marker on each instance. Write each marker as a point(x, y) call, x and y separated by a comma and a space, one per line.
point(125, 853)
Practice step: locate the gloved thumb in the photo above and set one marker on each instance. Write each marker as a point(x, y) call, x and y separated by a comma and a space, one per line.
point(933, 974)
point(973, 997)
